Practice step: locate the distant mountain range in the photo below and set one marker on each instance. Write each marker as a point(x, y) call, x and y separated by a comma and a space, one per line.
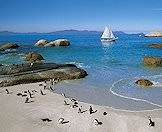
point(61, 32)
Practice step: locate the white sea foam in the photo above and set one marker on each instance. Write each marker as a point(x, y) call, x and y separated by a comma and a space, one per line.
point(79, 64)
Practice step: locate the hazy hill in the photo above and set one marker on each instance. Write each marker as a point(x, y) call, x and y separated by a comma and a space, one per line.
point(82, 32)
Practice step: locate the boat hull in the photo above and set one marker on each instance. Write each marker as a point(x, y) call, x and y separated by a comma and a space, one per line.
point(109, 40)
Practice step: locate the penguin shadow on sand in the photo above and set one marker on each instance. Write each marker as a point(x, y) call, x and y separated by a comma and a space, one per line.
point(91, 111)
point(62, 121)
point(42, 92)
point(27, 100)
point(151, 123)
point(8, 92)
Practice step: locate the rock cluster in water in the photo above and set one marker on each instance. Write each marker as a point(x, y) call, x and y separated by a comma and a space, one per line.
point(152, 61)
point(58, 42)
point(8, 46)
point(25, 73)
point(35, 70)
point(144, 82)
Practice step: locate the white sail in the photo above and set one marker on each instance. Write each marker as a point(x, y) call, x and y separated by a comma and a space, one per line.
point(111, 34)
point(107, 33)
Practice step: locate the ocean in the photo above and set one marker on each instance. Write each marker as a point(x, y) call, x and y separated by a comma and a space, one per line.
point(112, 69)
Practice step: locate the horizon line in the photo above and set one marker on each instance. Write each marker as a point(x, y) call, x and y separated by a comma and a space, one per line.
point(126, 31)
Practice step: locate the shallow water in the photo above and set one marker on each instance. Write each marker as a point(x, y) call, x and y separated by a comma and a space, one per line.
point(104, 64)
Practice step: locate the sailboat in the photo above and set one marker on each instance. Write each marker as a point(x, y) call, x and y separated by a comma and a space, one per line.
point(108, 35)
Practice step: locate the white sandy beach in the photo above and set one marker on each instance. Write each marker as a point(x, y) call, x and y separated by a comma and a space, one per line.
point(18, 116)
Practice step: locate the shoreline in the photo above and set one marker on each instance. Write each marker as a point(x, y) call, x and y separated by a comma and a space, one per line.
point(89, 94)
point(138, 99)
point(18, 116)
point(132, 98)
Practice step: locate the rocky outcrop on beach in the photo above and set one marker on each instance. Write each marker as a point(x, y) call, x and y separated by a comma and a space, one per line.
point(25, 73)
point(152, 61)
point(41, 43)
point(58, 42)
point(8, 46)
point(144, 82)
point(157, 46)
point(154, 34)
point(34, 57)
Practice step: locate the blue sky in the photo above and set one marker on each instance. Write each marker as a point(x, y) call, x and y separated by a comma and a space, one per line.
point(52, 15)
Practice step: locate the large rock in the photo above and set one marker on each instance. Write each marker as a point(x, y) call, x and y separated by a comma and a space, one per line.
point(59, 42)
point(41, 43)
point(34, 57)
point(20, 74)
point(154, 34)
point(157, 46)
point(144, 82)
point(8, 46)
point(62, 42)
point(152, 61)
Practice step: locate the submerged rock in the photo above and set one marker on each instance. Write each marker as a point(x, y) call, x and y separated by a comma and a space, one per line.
point(152, 61)
point(24, 73)
point(158, 46)
point(41, 43)
point(34, 57)
point(58, 42)
point(8, 46)
point(144, 82)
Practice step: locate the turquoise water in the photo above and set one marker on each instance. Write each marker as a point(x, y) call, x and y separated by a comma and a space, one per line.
point(105, 65)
